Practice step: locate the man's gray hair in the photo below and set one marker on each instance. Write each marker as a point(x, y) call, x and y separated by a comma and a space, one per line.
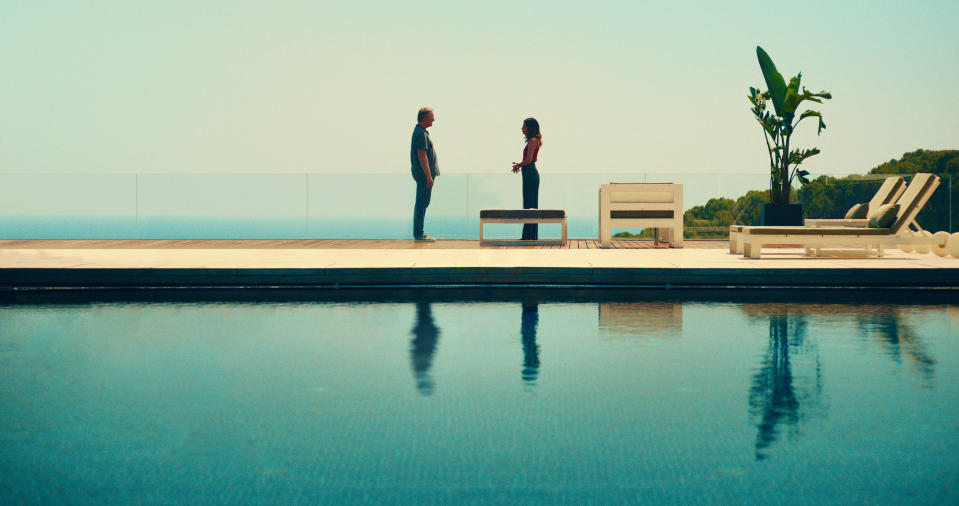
point(424, 111)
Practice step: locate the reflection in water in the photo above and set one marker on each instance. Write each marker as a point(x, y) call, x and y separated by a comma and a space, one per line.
point(423, 346)
point(528, 323)
point(641, 318)
point(899, 341)
point(781, 397)
point(777, 397)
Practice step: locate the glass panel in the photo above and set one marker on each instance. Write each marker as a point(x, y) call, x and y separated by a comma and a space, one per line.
point(834, 197)
point(380, 206)
point(360, 206)
point(936, 214)
point(222, 206)
point(67, 206)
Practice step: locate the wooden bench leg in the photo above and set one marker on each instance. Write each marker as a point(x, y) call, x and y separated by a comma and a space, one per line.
point(751, 250)
point(564, 232)
point(481, 233)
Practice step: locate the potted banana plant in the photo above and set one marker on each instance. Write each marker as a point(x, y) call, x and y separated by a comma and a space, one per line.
point(778, 127)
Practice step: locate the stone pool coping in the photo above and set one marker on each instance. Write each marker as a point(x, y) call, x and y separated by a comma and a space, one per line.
point(22, 268)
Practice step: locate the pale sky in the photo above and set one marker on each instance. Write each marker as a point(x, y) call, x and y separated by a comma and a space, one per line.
point(306, 86)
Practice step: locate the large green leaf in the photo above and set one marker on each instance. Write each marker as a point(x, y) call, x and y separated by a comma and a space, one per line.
point(793, 98)
point(771, 128)
point(808, 114)
point(815, 97)
point(797, 156)
point(774, 80)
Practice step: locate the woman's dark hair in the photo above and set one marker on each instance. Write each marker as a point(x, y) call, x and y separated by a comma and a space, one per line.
point(532, 129)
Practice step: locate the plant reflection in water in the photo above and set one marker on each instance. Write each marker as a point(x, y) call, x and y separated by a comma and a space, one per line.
point(898, 340)
point(776, 397)
point(779, 397)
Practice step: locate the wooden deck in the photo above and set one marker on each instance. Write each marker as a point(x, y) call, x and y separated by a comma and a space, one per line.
point(320, 244)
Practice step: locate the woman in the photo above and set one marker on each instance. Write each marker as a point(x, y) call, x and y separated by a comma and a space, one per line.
point(534, 139)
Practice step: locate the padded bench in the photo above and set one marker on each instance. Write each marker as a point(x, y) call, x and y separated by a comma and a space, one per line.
point(522, 216)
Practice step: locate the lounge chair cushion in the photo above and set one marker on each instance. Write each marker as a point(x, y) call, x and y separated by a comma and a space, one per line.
point(858, 212)
point(817, 231)
point(890, 190)
point(884, 216)
point(915, 196)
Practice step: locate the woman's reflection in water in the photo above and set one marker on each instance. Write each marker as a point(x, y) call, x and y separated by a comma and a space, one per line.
point(527, 330)
point(423, 346)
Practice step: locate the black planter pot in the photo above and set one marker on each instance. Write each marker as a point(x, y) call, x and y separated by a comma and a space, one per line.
point(780, 215)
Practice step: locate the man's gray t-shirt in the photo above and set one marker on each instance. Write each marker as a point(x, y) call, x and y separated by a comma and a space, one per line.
point(421, 140)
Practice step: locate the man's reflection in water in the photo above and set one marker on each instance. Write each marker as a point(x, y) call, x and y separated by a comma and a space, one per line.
point(773, 397)
point(530, 320)
point(422, 347)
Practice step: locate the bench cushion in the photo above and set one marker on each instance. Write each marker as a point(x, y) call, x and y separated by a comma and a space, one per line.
point(631, 214)
point(516, 214)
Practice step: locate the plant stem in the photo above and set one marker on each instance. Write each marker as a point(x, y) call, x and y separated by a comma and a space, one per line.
point(785, 171)
point(772, 166)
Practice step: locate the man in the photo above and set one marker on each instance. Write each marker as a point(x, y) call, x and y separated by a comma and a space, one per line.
point(424, 170)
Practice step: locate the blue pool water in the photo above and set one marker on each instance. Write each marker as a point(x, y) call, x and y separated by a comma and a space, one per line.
point(518, 397)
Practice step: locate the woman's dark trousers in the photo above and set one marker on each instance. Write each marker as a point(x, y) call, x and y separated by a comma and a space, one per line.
point(530, 199)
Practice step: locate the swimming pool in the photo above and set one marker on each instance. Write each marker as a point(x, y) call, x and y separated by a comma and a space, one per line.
point(445, 396)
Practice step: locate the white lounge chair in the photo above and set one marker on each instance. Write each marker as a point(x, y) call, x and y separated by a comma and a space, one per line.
point(887, 193)
point(815, 238)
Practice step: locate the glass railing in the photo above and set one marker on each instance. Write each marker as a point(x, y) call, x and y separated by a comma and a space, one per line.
point(375, 206)
point(835, 197)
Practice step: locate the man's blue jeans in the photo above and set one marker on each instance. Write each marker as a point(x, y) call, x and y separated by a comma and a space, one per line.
point(419, 208)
